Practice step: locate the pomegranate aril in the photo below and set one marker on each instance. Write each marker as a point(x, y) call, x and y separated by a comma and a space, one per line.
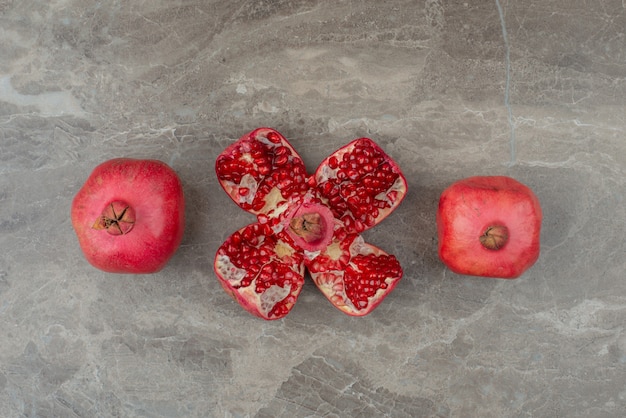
point(264, 170)
point(282, 150)
point(281, 160)
point(257, 205)
point(353, 174)
point(364, 172)
point(370, 276)
point(328, 189)
point(274, 137)
point(354, 202)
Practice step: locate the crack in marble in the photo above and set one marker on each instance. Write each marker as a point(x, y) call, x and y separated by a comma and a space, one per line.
point(507, 87)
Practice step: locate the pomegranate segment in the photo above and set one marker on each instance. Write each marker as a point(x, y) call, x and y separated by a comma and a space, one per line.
point(361, 183)
point(263, 274)
point(307, 220)
point(261, 171)
point(366, 275)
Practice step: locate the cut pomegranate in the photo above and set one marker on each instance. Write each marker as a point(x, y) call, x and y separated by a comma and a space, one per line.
point(361, 183)
point(355, 277)
point(263, 274)
point(261, 171)
point(307, 221)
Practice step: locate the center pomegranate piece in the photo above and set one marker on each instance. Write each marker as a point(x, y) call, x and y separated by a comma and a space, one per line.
point(311, 227)
point(310, 222)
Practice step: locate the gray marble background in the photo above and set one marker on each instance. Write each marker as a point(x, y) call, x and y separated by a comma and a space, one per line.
point(533, 90)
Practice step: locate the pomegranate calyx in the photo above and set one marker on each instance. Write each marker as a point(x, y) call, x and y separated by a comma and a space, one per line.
point(308, 226)
point(311, 226)
point(118, 218)
point(495, 237)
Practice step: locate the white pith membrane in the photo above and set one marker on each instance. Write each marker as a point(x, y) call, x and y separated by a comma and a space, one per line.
point(271, 296)
point(325, 173)
point(399, 187)
point(265, 141)
point(283, 249)
point(275, 206)
point(230, 272)
point(248, 182)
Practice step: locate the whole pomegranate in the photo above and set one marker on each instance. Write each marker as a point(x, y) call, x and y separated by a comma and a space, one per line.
point(489, 226)
point(129, 215)
point(307, 221)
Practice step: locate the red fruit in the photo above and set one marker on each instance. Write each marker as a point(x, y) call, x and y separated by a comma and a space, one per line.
point(489, 226)
point(129, 216)
point(311, 221)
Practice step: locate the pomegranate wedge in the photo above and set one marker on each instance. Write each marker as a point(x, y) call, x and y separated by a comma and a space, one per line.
point(311, 221)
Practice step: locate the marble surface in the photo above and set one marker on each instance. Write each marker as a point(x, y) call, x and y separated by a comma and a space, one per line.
point(533, 90)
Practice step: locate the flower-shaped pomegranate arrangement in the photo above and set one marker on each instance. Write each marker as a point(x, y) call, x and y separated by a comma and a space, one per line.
point(311, 222)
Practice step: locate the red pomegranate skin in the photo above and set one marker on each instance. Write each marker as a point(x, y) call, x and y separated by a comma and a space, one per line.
point(472, 206)
point(154, 193)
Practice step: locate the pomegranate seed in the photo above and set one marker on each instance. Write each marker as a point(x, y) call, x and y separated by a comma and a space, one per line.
point(282, 150)
point(281, 160)
point(258, 205)
point(274, 137)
